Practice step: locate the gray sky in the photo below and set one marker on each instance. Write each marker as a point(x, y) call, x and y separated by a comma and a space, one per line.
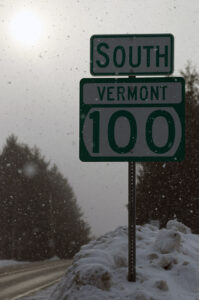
point(39, 84)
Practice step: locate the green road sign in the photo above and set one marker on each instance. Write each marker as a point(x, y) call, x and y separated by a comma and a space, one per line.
point(132, 54)
point(132, 119)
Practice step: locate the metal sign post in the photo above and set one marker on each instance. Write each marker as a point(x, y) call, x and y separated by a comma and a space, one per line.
point(132, 221)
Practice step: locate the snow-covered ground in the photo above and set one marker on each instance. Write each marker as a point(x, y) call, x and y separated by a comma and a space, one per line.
point(10, 262)
point(167, 267)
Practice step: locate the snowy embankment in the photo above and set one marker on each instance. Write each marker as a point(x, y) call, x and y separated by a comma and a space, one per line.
point(167, 267)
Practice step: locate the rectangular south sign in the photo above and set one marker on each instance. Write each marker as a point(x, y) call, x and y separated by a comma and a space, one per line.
point(132, 54)
point(132, 119)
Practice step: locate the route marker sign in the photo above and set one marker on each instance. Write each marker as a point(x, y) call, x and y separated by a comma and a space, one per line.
point(132, 54)
point(132, 119)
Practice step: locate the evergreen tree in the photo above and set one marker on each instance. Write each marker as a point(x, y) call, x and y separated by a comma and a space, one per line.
point(168, 190)
point(38, 209)
point(70, 231)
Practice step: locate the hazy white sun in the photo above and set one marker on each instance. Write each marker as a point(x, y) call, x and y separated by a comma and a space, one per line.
point(26, 27)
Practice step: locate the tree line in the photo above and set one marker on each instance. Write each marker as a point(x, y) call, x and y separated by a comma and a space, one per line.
point(170, 190)
point(39, 214)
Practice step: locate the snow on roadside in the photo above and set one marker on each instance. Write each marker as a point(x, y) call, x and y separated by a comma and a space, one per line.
point(167, 267)
point(10, 262)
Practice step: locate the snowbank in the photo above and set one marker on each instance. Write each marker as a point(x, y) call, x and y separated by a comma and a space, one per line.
point(10, 262)
point(167, 267)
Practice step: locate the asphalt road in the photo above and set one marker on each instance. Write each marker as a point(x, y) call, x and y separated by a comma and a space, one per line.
point(21, 280)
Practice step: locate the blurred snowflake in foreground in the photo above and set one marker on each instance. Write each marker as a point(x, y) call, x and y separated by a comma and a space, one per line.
point(30, 169)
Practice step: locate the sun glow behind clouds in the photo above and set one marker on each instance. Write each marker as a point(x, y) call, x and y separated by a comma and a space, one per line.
point(26, 28)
